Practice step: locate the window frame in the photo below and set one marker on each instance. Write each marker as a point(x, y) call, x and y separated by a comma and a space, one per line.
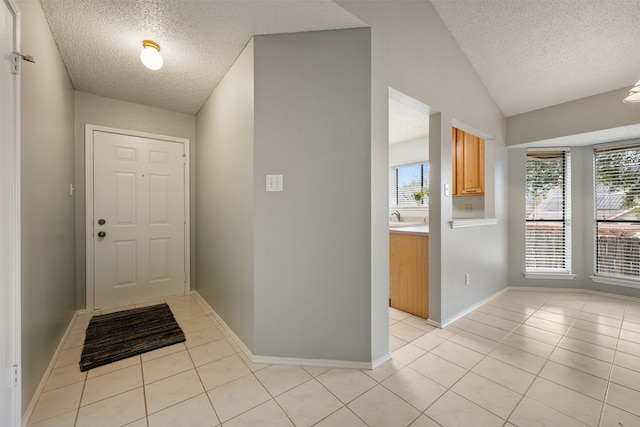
point(564, 272)
point(604, 276)
point(424, 185)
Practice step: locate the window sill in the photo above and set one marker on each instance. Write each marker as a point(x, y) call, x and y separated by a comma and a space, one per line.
point(607, 280)
point(550, 276)
point(472, 222)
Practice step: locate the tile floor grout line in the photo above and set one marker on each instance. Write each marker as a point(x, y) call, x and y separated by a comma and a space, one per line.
point(547, 360)
point(280, 406)
point(476, 364)
point(538, 376)
point(197, 374)
point(584, 303)
point(468, 370)
point(84, 386)
point(615, 353)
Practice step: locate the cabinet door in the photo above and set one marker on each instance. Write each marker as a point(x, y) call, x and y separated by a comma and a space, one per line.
point(409, 273)
point(454, 156)
point(468, 164)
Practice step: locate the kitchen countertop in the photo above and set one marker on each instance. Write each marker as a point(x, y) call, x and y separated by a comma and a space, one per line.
point(412, 229)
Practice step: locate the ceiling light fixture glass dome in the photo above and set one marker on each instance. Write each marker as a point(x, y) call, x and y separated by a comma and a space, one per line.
point(150, 55)
point(634, 95)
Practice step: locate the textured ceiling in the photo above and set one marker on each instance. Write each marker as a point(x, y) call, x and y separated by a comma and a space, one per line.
point(531, 54)
point(100, 42)
point(406, 123)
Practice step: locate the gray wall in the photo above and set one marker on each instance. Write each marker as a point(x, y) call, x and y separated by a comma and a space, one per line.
point(312, 241)
point(225, 206)
point(98, 110)
point(591, 114)
point(48, 285)
point(413, 52)
point(282, 267)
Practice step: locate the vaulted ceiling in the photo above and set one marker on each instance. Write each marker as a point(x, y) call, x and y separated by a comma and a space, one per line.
point(100, 42)
point(530, 54)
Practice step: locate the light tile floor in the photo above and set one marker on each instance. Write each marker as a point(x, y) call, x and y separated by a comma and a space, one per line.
point(523, 359)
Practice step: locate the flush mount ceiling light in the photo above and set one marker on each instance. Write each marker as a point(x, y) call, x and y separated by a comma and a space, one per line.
point(634, 95)
point(150, 55)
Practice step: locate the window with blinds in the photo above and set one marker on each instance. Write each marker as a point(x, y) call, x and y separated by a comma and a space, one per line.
point(548, 212)
point(617, 211)
point(411, 179)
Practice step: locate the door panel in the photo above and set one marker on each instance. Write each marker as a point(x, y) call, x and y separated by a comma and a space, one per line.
point(125, 198)
point(159, 259)
point(126, 263)
point(158, 195)
point(139, 193)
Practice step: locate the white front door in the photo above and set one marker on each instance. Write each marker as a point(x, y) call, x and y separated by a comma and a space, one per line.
point(10, 410)
point(139, 219)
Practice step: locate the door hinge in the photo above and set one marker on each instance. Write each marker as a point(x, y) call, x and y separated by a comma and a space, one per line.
point(15, 61)
point(16, 375)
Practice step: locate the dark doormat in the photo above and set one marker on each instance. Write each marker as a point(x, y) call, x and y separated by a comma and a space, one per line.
point(116, 336)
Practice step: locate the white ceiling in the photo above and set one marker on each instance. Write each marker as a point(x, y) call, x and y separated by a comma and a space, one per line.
point(100, 42)
point(406, 123)
point(532, 54)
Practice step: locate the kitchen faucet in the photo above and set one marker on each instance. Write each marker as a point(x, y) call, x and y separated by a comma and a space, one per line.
point(396, 213)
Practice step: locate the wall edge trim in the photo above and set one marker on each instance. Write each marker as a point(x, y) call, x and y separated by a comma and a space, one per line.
point(256, 358)
point(573, 290)
point(36, 395)
point(470, 309)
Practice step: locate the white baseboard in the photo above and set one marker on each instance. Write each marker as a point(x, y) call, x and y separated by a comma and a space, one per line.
point(468, 310)
point(325, 363)
point(43, 382)
point(380, 361)
point(572, 290)
point(434, 323)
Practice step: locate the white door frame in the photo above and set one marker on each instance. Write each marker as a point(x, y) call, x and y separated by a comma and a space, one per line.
point(88, 163)
point(10, 242)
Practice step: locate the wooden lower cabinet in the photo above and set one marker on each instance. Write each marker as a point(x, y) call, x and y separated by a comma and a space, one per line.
point(409, 273)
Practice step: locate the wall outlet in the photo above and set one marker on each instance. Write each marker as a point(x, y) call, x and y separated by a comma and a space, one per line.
point(467, 279)
point(468, 207)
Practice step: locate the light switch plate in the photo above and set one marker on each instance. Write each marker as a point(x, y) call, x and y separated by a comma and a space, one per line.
point(275, 183)
point(447, 191)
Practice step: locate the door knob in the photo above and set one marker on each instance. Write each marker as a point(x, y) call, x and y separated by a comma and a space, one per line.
point(101, 221)
point(102, 233)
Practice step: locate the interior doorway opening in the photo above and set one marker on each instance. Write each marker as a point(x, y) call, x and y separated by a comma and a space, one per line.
point(409, 195)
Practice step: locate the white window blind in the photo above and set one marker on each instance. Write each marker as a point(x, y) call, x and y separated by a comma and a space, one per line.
point(617, 211)
point(411, 179)
point(548, 212)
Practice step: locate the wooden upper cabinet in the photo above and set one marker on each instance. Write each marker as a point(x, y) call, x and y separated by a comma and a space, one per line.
point(468, 163)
